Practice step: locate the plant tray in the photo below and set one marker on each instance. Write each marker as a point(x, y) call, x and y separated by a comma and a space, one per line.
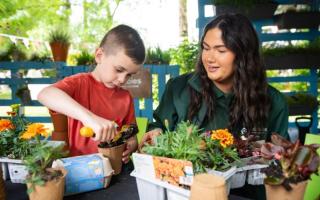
point(14, 169)
point(161, 170)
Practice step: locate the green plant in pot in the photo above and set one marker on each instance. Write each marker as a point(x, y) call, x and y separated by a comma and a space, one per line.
point(23, 93)
point(85, 58)
point(157, 56)
point(12, 144)
point(59, 41)
point(42, 179)
point(290, 167)
point(114, 149)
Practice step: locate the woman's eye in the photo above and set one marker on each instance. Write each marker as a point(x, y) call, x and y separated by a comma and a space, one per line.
point(222, 51)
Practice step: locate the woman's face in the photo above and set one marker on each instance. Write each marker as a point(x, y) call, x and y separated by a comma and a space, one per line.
point(218, 61)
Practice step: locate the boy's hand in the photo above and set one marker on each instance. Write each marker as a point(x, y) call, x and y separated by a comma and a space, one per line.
point(131, 146)
point(149, 137)
point(104, 130)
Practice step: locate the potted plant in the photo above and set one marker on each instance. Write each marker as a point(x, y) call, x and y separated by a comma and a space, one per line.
point(157, 57)
point(84, 58)
point(11, 129)
point(59, 41)
point(254, 10)
point(23, 93)
point(293, 56)
point(42, 179)
point(209, 150)
point(60, 127)
point(114, 149)
point(291, 165)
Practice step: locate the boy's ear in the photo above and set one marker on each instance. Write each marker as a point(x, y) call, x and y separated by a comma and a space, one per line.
point(98, 55)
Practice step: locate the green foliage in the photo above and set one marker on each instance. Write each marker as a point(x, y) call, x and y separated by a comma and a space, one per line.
point(18, 17)
point(40, 161)
point(186, 143)
point(11, 145)
point(15, 52)
point(40, 57)
point(157, 56)
point(303, 48)
point(290, 162)
point(84, 58)
point(185, 55)
point(59, 35)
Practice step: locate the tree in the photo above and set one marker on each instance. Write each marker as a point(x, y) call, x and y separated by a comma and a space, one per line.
point(183, 21)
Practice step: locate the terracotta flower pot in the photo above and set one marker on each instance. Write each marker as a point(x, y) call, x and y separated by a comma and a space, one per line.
point(2, 189)
point(59, 51)
point(279, 192)
point(52, 190)
point(60, 121)
point(115, 156)
point(208, 187)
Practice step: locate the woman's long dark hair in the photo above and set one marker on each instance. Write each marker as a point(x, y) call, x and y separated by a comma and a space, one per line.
point(250, 104)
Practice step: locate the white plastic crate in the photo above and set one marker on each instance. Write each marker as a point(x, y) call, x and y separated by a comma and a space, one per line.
point(155, 189)
point(151, 188)
point(238, 180)
point(255, 177)
point(18, 172)
point(5, 172)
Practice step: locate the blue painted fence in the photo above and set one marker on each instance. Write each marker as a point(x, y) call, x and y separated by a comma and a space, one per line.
point(143, 107)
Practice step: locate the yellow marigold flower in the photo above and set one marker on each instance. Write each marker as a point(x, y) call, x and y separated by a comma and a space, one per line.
point(33, 130)
point(224, 136)
point(6, 124)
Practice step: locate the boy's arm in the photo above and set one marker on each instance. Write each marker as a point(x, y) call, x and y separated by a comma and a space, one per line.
point(61, 102)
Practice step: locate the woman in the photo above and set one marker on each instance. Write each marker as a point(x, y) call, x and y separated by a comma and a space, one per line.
point(228, 88)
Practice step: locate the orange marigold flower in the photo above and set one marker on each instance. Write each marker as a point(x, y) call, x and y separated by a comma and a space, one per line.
point(6, 124)
point(33, 130)
point(224, 136)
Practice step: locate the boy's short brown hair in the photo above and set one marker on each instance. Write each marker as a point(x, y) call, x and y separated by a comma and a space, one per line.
point(127, 38)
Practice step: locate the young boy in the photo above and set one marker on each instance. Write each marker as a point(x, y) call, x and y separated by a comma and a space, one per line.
point(96, 99)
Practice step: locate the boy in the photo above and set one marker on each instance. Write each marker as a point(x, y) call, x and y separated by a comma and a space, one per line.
point(96, 99)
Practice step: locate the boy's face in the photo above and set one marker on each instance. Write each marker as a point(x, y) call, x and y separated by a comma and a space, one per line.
point(115, 69)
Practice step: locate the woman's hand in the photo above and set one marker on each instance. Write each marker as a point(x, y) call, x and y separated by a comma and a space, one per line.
point(131, 146)
point(149, 137)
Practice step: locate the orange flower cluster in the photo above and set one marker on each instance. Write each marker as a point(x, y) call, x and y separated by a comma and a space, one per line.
point(224, 136)
point(33, 130)
point(6, 124)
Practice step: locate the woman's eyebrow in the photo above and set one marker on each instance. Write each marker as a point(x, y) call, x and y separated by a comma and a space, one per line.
point(215, 46)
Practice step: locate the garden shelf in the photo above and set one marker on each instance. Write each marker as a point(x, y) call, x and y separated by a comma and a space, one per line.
point(298, 20)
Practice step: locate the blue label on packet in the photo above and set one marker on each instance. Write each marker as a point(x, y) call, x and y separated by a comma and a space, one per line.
point(85, 173)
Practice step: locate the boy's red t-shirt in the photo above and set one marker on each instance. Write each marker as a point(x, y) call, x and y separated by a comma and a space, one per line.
point(113, 104)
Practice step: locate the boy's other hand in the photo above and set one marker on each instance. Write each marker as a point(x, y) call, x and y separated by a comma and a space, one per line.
point(131, 146)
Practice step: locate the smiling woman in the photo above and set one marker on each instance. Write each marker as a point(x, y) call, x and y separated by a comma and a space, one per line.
point(228, 90)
